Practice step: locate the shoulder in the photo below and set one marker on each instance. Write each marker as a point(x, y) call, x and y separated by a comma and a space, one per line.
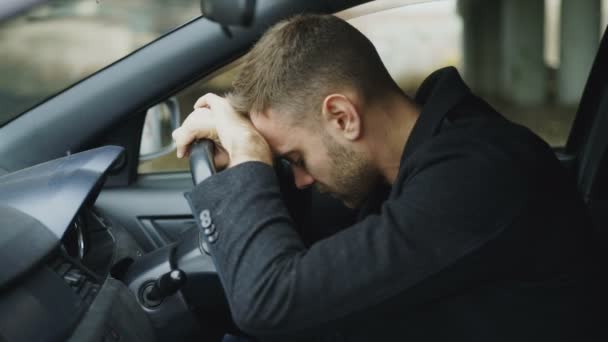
point(492, 168)
point(491, 145)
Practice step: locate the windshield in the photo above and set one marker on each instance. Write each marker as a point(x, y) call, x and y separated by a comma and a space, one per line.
point(52, 46)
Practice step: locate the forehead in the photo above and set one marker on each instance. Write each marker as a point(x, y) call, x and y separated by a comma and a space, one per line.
point(282, 135)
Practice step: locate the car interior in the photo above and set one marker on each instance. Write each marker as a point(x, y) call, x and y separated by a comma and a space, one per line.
point(92, 250)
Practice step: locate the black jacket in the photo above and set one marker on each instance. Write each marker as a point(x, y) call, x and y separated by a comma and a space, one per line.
point(481, 238)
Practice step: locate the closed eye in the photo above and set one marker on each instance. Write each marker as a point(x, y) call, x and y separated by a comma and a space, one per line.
point(299, 163)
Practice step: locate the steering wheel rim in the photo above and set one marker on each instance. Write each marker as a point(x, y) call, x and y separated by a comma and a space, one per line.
point(201, 160)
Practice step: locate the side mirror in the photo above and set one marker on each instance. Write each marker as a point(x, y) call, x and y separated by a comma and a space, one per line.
point(161, 120)
point(229, 12)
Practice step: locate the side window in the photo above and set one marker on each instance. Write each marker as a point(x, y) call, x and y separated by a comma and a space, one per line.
point(157, 134)
point(55, 44)
point(528, 59)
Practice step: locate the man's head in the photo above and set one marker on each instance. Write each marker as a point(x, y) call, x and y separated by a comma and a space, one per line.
point(310, 86)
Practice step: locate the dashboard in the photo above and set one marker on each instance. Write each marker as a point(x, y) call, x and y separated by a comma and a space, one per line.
point(69, 272)
point(74, 242)
point(57, 255)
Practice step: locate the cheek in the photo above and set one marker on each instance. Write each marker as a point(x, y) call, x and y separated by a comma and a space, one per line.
point(320, 166)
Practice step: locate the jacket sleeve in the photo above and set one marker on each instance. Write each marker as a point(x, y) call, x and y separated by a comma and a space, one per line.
point(275, 285)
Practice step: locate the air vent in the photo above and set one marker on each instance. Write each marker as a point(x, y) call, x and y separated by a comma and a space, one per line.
point(83, 284)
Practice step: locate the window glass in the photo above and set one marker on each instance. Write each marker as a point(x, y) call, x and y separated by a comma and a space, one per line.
point(414, 40)
point(55, 45)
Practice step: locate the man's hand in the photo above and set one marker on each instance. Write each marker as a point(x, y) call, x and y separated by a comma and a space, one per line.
point(236, 139)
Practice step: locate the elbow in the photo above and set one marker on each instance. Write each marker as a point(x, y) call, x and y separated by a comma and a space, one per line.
point(257, 321)
point(267, 311)
point(248, 324)
point(242, 317)
point(267, 305)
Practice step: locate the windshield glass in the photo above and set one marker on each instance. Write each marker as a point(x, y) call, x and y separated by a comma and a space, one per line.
point(52, 46)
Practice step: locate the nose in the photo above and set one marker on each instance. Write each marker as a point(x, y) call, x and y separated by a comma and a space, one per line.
point(302, 178)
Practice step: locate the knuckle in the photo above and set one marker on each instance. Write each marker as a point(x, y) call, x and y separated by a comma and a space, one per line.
point(177, 134)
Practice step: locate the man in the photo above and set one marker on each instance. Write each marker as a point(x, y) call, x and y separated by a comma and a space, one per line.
point(479, 235)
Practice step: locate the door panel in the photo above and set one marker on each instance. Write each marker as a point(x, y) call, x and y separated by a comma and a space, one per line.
point(166, 230)
point(153, 209)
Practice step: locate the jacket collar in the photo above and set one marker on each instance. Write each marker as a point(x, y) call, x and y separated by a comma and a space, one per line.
point(438, 94)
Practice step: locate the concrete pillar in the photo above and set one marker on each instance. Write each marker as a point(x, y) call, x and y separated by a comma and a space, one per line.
point(481, 45)
point(524, 74)
point(579, 40)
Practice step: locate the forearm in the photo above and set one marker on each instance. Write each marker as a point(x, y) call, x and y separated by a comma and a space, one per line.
point(241, 217)
point(273, 285)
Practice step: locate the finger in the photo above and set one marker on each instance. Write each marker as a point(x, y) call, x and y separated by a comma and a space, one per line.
point(183, 138)
point(177, 137)
point(195, 126)
point(207, 100)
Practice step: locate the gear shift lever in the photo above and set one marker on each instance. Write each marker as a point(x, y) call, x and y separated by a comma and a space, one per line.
point(164, 286)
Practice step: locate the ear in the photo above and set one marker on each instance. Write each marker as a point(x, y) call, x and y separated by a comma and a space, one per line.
point(342, 116)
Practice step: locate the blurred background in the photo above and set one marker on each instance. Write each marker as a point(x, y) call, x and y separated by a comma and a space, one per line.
point(529, 58)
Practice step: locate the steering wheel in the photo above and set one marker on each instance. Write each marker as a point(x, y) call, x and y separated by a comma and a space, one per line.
point(201, 160)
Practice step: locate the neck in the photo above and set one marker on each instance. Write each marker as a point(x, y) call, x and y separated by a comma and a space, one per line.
point(390, 133)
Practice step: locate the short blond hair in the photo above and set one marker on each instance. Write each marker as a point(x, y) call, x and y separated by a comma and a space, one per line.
point(300, 60)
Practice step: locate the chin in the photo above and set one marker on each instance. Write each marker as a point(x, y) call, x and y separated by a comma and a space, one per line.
point(350, 205)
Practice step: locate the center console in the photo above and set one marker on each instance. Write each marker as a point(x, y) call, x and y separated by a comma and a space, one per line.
point(178, 287)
